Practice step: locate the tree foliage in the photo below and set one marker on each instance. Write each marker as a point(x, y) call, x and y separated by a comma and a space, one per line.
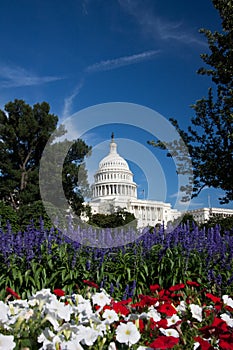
point(115, 219)
point(24, 133)
point(210, 137)
point(8, 216)
point(224, 223)
point(185, 219)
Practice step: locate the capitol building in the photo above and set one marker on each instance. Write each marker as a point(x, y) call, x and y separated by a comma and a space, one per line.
point(114, 187)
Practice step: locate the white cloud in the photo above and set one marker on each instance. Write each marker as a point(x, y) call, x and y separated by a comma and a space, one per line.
point(103, 66)
point(158, 28)
point(69, 100)
point(85, 4)
point(15, 76)
point(121, 61)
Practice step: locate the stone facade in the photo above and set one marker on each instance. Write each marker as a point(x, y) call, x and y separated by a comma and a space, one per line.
point(202, 215)
point(114, 187)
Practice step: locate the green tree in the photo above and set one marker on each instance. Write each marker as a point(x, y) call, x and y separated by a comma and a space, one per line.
point(225, 223)
point(75, 182)
point(8, 215)
point(210, 137)
point(118, 218)
point(63, 176)
point(24, 133)
point(184, 219)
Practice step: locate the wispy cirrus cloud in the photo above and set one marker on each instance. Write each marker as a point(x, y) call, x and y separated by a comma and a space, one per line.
point(159, 28)
point(15, 76)
point(69, 100)
point(105, 65)
point(121, 61)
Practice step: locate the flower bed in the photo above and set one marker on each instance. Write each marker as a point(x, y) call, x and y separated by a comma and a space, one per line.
point(39, 258)
point(184, 316)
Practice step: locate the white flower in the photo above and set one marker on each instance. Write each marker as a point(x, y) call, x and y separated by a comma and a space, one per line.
point(51, 317)
point(169, 332)
point(101, 299)
point(60, 309)
point(43, 294)
point(4, 309)
point(110, 316)
point(101, 328)
point(19, 304)
point(127, 333)
point(196, 345)
point(84, 308)
point(87, 335)
point(152, 312)
point(196, 312)
point(227, 319)
point(143, 348)
point(17, 307)
point(45, 336)
point(7, 342)
point(133, 317)
point(172, 320)
point(227, 300)
point(73, 345)
point(112, 346)
point(181, 307)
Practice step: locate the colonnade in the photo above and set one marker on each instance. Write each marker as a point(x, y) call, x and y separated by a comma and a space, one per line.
point(114, 189)
point(148, 212)
point(112, 176)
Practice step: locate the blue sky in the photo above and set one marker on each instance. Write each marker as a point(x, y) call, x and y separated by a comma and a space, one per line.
point(77, 54)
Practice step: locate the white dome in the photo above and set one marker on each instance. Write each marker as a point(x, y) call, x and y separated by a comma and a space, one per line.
point(113, 177)
point(113, 160)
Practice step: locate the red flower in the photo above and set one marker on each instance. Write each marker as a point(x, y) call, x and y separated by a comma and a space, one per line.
point(220, 324)
point(177, 287)
point(176, 295)
point(154, 287)
point(148, 300)
point(119, 308)
point(218, 306)
point(217, 328)
point(126, 302)
point(59, 292)
point(140, 304)
point(162, 323)
point(167, 309)
point(208, 312)
point(227, 307)
point(159, 324)
point(225, 345)
point(91, 284)
point(213, 298)
point(13, 293)
point(164, 342)
point(205, 345)
point(192, 283)
point(163, 295)
point(141, 326)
